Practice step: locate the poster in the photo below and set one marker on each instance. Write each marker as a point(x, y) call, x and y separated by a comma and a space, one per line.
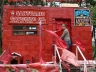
point(82, 17)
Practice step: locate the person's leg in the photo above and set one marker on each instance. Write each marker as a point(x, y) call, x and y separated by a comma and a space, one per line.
point(68, 44)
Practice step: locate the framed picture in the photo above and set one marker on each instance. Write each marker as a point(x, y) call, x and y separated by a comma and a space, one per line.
point(82, 17)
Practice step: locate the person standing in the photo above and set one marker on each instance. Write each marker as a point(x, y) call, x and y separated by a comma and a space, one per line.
point(66, 36)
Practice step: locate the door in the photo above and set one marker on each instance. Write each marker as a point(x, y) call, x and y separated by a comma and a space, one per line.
point(58, 25)
point(59, 22)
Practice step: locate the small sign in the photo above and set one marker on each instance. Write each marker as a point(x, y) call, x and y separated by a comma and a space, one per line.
point(82, 17)
point(26, 16)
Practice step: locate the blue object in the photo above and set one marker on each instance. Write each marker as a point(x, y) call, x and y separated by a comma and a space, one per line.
point(82, 12)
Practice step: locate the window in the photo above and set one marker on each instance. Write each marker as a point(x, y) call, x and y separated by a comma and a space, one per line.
point(25, 30)
point(31, 30)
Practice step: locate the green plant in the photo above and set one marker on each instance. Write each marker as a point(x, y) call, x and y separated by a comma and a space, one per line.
point(94, 52)
point(93, 13)
point(43, 3)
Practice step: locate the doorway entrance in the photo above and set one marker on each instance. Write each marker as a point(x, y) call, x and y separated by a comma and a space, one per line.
point(15, 58)
point(57, 26)
point(14, 61)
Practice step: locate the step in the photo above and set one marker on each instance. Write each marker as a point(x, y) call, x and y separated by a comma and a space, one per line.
point(72, 70)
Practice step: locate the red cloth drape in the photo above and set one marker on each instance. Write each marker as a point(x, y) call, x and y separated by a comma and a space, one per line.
point(59, 42)
point(66, 55)
point(80, 44)
point(46, 68)
point(2, 69)
point(5, 58)
point(69, 57)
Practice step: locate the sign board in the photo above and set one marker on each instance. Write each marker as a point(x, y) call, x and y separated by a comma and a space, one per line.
point(82, 17)
point(27, 16)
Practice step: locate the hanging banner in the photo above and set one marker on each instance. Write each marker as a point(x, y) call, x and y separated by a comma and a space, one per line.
point(27, 16)
point(82, 17)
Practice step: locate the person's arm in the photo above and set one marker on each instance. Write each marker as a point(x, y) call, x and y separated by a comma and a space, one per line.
point(58, 30)
point(63, 34)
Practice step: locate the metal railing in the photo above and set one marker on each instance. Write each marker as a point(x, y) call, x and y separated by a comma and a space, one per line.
point(56, 51)
point(78, 49)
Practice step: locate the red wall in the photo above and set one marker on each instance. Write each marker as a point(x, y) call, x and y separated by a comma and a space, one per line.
point(30, 44)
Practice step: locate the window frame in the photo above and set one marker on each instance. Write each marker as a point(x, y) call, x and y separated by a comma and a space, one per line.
point(25, 30)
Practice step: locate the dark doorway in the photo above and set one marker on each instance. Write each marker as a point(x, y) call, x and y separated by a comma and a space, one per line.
point(58, 26)
point(14, 61)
